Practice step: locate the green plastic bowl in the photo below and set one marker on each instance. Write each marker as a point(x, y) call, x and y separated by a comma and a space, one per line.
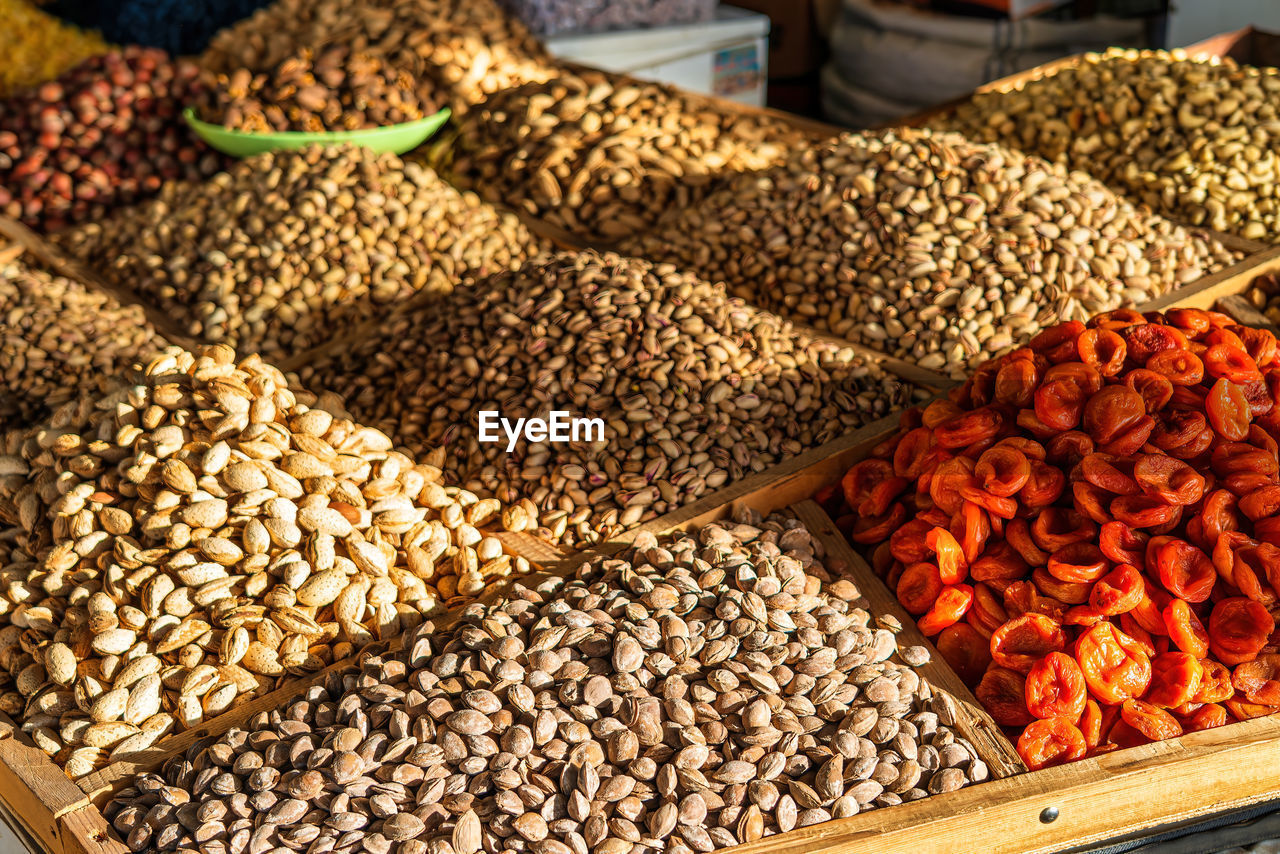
point(396, 139)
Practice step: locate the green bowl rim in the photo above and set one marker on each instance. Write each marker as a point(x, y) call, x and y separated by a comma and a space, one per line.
point(312, 136)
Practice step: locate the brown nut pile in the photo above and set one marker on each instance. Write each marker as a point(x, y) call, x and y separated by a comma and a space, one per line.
point(690, 694)
point(107, 133)
point(338, 89)
point(460, 50)
point(928, 246)
point(604, 159)
point(60, 339)
point(694, 389)
point(1195, 139)
point(289, 249)
point(197, 538)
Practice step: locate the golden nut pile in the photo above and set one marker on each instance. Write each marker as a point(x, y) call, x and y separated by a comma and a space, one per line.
point(197, 538)
point(694, 389)
point(603, 159)
point(61, 339)
point(1196, 139)
point(290, 249)
point(929, 247)
point(336, 89)
point(37, 47)
point(464, 50)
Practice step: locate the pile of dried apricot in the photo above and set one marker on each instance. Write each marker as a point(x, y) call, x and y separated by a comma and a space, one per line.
point(1089, 529)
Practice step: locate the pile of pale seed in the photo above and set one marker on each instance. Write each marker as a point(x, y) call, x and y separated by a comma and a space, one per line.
point(60, 339)
point(694, 389)
point(196, 538)
point(694, 694)
point(604, 159)
point(462, 50)
point(290, 249)
point(929, 247)
point(1196, 139)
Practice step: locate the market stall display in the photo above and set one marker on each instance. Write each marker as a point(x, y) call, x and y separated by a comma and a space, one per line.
point(62, 339)
point(602, 157)
point(37, 46)
point(465, 50)
point(1090, 534)
point(692, 389)
point(927, 246)
point(194, 539)
point(562, 717)
point(1191, 137)
point(290, 249)
point(107, 133)
point(413, 535)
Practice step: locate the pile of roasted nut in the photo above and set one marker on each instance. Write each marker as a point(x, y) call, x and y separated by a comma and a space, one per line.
point(459, 50)
point(335, 89)
point(1193, 138)
point(928, 246)
point(290, 249)
point(603, 159)
point(62, 339)
point(693, 389)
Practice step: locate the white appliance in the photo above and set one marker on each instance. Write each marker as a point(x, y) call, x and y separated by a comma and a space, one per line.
point(727, 56)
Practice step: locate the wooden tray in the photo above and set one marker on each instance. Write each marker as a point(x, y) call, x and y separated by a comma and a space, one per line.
point(1116, 795)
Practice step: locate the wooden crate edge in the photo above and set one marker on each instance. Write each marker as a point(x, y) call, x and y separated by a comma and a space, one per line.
point(35, 791)
point(86, 831)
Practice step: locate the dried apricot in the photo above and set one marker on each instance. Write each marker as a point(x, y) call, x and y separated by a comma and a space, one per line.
point(1078, 563)
point(1055, 686)
point(1022, 641)
point(1153, 722)
point(1054, 741)
point(1175, 679)
point(1259, 680)
point(1002, 693)
point(949, 608)
point(1208, 716)
point(1120, 590)
point(1239, 626)
point(966, 650)
point(1185, 629)
point(1114, 666)
point(1228, 411)
point(918, 587)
